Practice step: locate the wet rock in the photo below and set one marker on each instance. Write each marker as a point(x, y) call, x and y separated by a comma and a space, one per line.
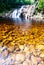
point(20, 57)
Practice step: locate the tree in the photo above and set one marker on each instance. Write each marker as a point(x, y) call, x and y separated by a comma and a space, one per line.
point(29, 1)
point(40, 5)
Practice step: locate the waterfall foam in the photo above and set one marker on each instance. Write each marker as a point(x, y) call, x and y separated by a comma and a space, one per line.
point(25, 12)
point(16, 13)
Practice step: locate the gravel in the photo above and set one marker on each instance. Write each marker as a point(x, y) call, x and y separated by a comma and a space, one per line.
point(29, 56)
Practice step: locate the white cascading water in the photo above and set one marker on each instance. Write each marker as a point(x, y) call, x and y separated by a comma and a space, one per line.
point(16, 13)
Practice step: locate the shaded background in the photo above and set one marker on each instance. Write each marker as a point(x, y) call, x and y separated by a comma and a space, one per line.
point(6, 5)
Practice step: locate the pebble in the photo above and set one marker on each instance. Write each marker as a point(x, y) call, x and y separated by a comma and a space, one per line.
point(5, 54)
point(20, 57)
point(27, 56)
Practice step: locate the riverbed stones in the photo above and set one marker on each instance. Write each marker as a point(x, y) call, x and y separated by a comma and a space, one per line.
point(22, 58)
point(22, 47)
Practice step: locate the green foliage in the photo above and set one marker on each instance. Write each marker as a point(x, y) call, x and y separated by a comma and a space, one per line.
point(8, 4)
point(29, 1)
point(40, 5)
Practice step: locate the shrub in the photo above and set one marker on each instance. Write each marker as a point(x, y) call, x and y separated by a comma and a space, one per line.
point(40, 5)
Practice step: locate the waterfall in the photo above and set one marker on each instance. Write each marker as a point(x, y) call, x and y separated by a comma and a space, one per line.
point(26, 10)
point(30, 11)
point(16, 13)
